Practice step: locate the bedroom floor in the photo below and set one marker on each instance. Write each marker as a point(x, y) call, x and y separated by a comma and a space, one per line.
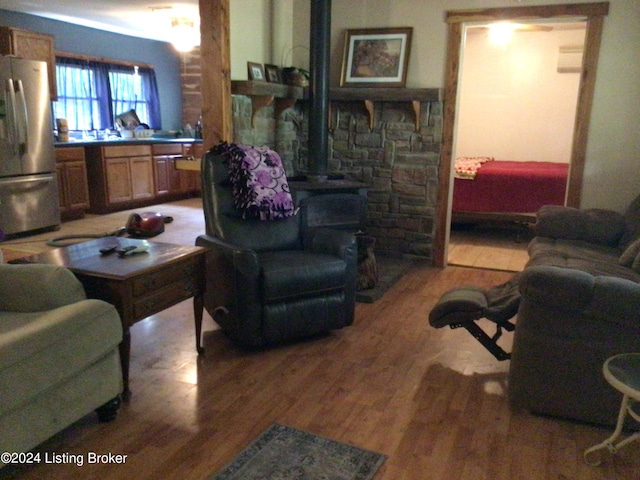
point(495, 246)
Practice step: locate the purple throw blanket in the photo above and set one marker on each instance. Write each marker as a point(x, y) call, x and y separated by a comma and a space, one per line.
point(259, 182)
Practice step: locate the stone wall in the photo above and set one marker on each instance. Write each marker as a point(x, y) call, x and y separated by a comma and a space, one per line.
point(399, 163)
point(282, 134)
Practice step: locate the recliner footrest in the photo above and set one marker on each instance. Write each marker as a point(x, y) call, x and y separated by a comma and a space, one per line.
point(458, 306)
point(461, 307)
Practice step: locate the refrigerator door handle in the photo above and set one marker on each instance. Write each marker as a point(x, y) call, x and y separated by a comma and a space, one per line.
point(23, 123)
point(12, 120)
point(31, 179)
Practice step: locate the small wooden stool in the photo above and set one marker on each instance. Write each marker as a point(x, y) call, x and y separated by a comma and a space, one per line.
point(623, 373)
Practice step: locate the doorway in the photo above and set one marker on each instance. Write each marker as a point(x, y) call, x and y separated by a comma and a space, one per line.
point(517, 101)
point(591, 13)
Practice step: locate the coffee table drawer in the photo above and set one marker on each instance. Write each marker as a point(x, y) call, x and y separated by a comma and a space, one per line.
point(165, 298)
point(166, 276)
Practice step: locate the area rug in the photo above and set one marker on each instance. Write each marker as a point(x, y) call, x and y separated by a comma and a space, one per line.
point(390, 270)
point(283, 452)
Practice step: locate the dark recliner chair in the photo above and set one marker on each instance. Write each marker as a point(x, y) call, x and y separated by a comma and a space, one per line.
point(270, 281)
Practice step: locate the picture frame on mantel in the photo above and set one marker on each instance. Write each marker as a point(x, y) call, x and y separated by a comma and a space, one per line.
point(272, 73)
point(376, 57)
point(256, 71)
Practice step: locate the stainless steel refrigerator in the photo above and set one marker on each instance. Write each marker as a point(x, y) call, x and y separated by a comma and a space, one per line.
point(28, 182)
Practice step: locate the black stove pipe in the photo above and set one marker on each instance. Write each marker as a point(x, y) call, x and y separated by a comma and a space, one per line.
point(320, 40)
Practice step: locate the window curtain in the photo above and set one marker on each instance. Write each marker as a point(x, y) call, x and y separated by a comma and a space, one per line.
point(150, 92)
point(83, 94)
point(91, 93)
point(103, 88)
point(137, 89)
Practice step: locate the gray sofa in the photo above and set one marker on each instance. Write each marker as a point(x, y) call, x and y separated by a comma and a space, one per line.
point(580, 304)
point(59, 355)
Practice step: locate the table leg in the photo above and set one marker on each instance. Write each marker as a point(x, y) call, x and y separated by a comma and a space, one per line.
point(198, 309)
point(609, 443)
point(125, 352)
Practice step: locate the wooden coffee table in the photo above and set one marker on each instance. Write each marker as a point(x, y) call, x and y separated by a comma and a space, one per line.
point(138, 285)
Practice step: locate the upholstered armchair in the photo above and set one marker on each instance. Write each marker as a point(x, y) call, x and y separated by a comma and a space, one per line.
point(270, 281)
point(59, 355)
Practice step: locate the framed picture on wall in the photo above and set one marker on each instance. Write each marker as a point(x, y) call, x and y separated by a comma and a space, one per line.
point(256, 71)
point(376, 57)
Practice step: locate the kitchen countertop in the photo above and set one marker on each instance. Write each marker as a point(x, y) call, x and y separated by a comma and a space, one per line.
point(125, 141)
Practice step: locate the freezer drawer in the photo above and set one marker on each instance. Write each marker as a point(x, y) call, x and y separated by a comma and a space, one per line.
point(28, 203)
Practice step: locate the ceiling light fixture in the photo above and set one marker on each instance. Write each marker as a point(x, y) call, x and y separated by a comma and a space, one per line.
point(500, 34)
point(184, 34)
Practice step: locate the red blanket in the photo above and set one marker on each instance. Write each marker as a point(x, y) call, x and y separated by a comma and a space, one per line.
point(515, 187)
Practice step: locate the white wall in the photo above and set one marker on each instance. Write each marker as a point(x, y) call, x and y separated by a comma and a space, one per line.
point(250, 35)
point(513, 102)
point(612, 170)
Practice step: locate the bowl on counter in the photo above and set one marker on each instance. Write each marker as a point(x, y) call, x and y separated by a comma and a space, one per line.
point(145, 133)
point(126, 134)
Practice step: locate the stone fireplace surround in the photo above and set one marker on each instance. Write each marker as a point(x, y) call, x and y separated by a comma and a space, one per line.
point(392, 143)
point(393, 146)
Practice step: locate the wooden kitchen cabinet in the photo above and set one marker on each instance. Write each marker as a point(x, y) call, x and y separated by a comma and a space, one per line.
point(195, 150)
point(120, 175)
point(141, 178)
point(73, 190)
point(32, 46)
point(168, 180)
point(130, 175)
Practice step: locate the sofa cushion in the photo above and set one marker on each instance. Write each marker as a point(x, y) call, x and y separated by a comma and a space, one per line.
point(636, 264)
point(592, 225)
point(631, 224)
point(48, 347)
point(630, 253)
point(595, 259)
point(55, 286)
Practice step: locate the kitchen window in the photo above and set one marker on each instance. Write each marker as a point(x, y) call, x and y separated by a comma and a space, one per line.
point(91, 93)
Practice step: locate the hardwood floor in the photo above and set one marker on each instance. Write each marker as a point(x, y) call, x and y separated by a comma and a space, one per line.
point(434, 401)
point(493, 246)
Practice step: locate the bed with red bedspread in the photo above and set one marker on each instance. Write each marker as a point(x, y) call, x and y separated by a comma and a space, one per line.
point(509, 189)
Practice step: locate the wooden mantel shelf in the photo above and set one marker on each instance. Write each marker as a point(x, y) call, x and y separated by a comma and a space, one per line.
point(263, 94)
point(371, 95)
point(386, 94)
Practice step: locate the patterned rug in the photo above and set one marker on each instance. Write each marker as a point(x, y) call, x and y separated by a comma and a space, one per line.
point(283, 452)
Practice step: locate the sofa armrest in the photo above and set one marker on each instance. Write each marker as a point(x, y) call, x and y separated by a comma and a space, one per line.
point(577, 294)
point(37, 287)
point(592, 225)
